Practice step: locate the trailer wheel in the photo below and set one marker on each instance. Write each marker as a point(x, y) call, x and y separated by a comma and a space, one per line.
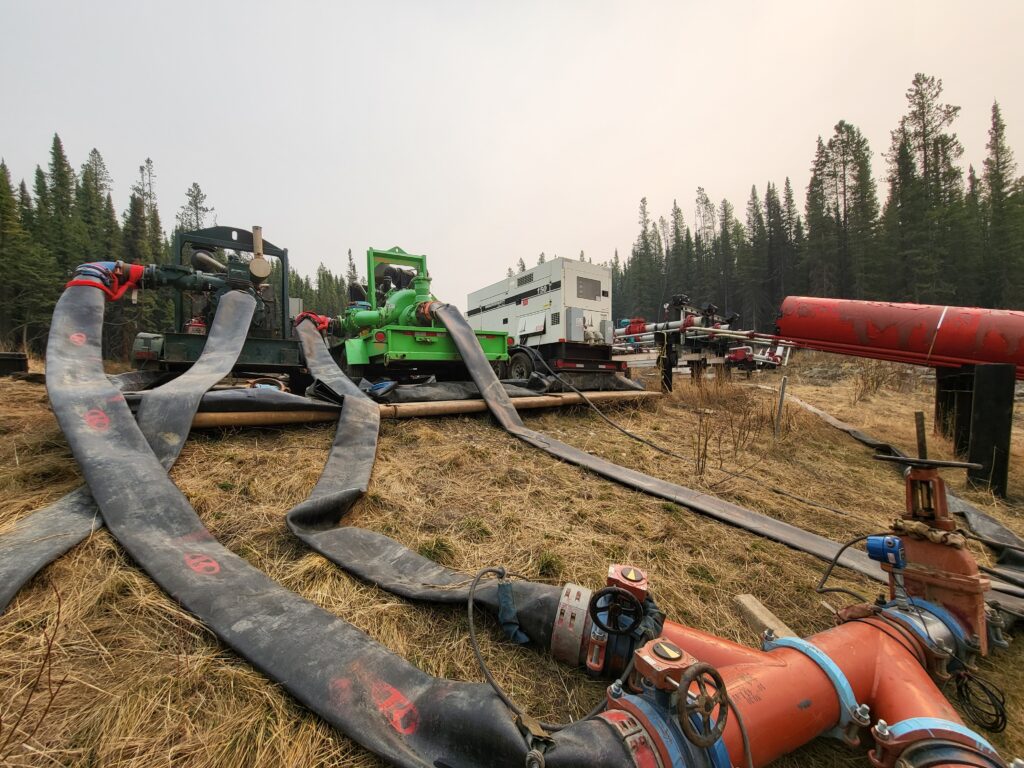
point(520, 366)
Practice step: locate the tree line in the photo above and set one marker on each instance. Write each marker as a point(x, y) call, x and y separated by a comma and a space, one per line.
point(937, 238)
point(67, 218)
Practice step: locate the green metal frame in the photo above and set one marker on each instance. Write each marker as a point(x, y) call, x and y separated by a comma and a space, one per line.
point(375, 256)
point(238, 240)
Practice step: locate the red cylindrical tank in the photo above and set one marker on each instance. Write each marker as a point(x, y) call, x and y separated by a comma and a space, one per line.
point(923, 334)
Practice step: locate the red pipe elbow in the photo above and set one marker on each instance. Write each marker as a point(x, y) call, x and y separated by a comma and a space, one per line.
point(787, 700)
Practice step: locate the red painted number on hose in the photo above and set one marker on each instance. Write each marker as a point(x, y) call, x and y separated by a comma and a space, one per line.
point(202, 564)
point(399, 711)
point(96, 418)
point(78, 339)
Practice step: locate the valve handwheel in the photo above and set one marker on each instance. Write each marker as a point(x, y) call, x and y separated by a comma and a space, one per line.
point(624, 611)
point(703, 704)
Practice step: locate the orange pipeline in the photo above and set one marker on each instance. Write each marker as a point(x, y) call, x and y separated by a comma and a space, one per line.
point(786, 700)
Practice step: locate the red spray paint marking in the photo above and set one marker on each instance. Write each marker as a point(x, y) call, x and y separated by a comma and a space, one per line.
point(399, 711)
point(340, 692)
point(202, 564)
point(190, 538)
point(96, 418)
point(78, 339)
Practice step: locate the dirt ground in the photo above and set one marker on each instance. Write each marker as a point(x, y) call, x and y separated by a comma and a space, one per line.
point(123, 677)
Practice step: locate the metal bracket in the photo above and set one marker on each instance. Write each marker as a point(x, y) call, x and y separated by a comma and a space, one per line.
point(852, 716)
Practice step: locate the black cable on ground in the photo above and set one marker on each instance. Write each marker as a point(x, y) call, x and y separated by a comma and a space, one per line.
point(501, 573)
point(667, 452)
point(536, 356)
point(743, 734)
point(982, 702)
point(821, 589)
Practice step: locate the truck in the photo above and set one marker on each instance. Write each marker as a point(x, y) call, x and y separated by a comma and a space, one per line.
point(559, 311)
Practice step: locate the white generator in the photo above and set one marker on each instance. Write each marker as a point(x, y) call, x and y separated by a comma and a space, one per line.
point(560, 300)
point(562, 309)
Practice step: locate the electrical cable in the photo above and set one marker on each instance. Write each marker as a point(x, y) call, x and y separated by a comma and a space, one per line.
point(667, 452)
point(501, 573)
point(743, 734)
point(821, 589)
point(982, 701)
point(537, 357)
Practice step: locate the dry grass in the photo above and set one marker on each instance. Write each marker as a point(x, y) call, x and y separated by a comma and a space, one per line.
point(147, 685)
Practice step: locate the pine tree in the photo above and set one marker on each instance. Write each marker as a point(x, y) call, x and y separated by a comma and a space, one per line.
point(351, 273)
point(820, 260)
point(90, 200)
point(521, 266)
point(727, 254)
point(26, 211)
point(705, 282)
point(509, 273)
point(934, 150)
point(1003, 260)
point(540, 259)
point(582, 258)
point(66, 234)
point(192, 215)
point(25, 304)
point(753, 266)
point(904, 242)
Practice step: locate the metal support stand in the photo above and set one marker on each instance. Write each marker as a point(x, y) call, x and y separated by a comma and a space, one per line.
point(667, 356)
point(991, 422)
point(974, 407)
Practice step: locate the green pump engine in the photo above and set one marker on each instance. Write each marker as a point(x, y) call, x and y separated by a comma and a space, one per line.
point(388, 330)
point(198, 280)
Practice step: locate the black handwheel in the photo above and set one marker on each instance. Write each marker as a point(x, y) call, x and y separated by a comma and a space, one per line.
point(702, 704)
point(624, 611)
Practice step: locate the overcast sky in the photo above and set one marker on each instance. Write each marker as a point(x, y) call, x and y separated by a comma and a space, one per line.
point(479, 133)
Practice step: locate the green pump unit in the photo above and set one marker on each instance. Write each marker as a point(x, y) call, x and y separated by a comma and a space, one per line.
point(388, 330)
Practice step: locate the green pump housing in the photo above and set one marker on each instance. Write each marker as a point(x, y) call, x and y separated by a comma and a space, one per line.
point(392, 330)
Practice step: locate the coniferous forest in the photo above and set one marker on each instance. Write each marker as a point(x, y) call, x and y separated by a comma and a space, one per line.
point(930, 232)
point(67, 218)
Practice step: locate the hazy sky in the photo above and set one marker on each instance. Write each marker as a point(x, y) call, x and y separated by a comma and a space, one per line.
point(479, 133)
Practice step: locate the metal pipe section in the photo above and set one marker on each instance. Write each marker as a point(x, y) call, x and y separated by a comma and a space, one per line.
point(921, 334)
point(786, 699)
point(652, 327)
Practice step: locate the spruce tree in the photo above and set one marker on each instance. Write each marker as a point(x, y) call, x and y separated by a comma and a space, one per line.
point(192, 215)
point(1003, 262)
point(25, 304)
point(67, 236)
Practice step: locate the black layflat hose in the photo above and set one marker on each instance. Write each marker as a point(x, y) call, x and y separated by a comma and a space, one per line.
point(372, 695)
point(372, 556)
point(502, 409)
point(165, 416)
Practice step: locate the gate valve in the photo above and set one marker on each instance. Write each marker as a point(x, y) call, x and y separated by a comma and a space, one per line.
point(629, 578)
point(702, 705)
point(662, 663)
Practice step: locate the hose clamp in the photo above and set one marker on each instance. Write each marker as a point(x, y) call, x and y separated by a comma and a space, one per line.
point(570, 622)
point(932, 724)
point(852, 716)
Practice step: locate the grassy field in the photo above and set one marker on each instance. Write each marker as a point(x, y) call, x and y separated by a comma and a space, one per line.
point(129, 679)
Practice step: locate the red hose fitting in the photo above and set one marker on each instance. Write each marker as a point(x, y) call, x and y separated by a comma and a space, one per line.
point(114, 282)
point(320, 322)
